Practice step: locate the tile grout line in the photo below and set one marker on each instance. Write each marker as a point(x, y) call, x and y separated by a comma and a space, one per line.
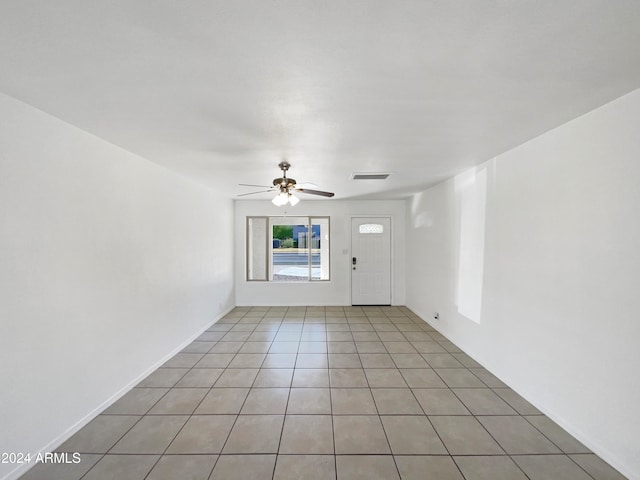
point(384, 430)
point(234, 422)
point(333, 428)
point(402, 324)
point(147, 413)
point(284, 416)
point(232, 426)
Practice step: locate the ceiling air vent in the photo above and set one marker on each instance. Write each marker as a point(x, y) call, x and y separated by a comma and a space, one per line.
point(370, 176)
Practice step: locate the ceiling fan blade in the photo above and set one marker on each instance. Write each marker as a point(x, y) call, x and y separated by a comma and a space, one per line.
point(315, 192)
point(252, 185)
point(306, 185)
point(253, 193)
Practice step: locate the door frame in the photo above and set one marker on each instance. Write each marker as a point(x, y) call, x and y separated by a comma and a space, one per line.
point(391, 254)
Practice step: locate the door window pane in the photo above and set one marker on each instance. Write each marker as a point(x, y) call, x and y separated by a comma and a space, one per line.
point(371, 228)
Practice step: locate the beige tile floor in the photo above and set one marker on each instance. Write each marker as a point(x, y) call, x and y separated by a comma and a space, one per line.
point(323, 393)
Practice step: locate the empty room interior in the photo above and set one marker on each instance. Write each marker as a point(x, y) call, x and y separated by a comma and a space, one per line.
point(319, 240)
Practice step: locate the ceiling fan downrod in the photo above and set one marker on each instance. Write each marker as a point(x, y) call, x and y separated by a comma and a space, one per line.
point(284, 183)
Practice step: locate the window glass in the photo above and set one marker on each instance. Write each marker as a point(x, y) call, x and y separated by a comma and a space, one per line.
point(288, 249)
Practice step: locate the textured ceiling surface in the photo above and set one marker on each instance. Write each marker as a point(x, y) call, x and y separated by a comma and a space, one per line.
point(222, 91)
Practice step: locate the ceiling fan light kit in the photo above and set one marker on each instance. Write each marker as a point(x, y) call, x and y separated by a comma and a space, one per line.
point(286, 188)
point(280, 199)
point(293, 200)
point(285, 197)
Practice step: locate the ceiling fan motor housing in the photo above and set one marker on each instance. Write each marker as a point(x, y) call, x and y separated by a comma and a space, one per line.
point(284, 182)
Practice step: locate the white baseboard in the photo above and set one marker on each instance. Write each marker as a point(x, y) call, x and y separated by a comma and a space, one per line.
point(592, 444)
point(59, 440)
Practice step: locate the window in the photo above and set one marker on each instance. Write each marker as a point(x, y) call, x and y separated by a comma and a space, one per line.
point(366, 228)
point(287, 249)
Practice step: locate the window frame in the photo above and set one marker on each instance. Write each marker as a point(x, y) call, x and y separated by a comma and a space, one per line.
point(268, 244)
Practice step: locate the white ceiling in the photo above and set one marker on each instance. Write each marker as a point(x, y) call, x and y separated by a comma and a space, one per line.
point(221, 91)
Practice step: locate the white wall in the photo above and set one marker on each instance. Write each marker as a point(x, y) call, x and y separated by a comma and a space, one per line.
point(559, 318)
point(337, 291)
point(108, 263)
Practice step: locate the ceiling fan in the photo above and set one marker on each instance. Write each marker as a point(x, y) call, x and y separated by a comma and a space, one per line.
point(286, 187)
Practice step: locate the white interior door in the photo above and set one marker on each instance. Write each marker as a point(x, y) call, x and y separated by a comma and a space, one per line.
point(370, 261)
